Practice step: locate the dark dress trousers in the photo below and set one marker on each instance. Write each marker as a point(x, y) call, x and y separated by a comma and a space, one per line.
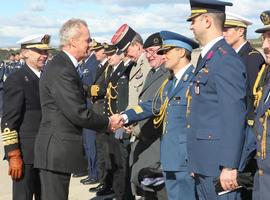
point(21, 112)
point(59, 146)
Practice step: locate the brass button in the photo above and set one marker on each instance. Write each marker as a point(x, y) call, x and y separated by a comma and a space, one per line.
point(259, 154)
point(260, 172)
point(188, 126)
point(261, 119)
point(259, 137)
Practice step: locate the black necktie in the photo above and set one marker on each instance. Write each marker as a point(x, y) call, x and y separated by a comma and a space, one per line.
point(199, 60)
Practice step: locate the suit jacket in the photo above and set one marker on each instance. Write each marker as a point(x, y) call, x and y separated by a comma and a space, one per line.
point(21, 112)
point(173, 142)
point(64, 113)
point(216, 124)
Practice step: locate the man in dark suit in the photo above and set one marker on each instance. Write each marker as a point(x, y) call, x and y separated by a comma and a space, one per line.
point(235, 32)
point(58, 148)
point(216, 104)
point(147, 146)
point(21, 118)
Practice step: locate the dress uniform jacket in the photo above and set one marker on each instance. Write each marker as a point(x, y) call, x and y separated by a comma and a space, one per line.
point(147, 148)
point(253, 61)
point(173, 141)
point(173, 149)
point(262, 123)
point(136, 79)
point(216, 122)
point(59, 144)
point(21, 111)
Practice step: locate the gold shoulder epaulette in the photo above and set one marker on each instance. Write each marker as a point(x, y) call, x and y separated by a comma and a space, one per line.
point(253, 52)
point(9, 137)
point(94, 90)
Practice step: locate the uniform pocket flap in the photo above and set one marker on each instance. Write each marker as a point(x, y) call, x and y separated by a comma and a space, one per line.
point(207, 134)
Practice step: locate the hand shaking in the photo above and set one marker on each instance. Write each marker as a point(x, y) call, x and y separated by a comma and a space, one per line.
point(116, 122)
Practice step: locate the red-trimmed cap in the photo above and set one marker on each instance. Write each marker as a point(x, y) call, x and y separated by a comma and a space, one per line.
point(123, 37)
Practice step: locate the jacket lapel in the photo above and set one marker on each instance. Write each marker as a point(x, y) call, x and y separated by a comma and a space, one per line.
point(209, 55)
point(180, 85)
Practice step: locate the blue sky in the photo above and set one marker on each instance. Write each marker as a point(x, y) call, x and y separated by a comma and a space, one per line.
point(20, 18)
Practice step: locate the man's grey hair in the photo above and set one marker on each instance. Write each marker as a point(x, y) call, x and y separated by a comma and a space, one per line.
point(69, 30)
point(137, 39)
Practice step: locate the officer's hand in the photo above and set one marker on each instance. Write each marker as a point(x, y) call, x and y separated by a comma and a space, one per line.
point(116, 121)
point(129, 129)
point(228, 179)
point(15, 164)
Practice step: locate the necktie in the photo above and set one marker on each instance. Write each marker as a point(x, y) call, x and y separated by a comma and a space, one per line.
point(199, 60)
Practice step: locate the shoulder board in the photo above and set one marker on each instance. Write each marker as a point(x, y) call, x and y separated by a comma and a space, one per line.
point(253, 52)
point(222, 51)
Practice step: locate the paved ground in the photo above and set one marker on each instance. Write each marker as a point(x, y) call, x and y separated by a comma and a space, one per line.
point(77, 190)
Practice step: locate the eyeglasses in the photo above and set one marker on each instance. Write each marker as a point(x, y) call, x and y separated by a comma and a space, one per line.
point(152, 52)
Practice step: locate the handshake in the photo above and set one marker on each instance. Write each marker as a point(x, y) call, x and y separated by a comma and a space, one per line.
point(116, 121)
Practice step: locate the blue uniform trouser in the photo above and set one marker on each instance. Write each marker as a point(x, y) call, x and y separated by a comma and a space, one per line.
point(261, 188)
point(206, 190)
point(89, 143)
point(179, 185)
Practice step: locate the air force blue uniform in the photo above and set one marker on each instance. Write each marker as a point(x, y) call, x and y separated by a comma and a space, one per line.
point(217, 115)
point(179, 184)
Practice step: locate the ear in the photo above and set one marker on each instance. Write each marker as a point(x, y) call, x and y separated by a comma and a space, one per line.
point(73, 42)
point(25, 53)
point(207, 20)
point(241, 32)
point(182, 52)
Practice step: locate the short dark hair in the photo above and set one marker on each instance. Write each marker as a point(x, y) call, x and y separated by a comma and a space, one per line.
point(219, 19)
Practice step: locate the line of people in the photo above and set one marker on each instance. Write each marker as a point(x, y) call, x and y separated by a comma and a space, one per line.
point(151, 123)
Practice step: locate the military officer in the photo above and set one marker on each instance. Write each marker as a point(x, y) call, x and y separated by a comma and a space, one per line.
point(169, 105)
point(21, 118)
point(235, 32)
point(116, 100)
point(131, 43)
point(147, 150)
point(262, 103)
point(217, 107)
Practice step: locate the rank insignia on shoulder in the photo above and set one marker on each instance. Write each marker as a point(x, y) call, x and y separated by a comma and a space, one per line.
point(26, 79)
point(222, 51)
point(9, 137)
point(137, 109)
point(253, 52)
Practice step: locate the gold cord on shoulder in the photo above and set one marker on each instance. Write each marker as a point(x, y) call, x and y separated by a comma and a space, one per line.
point(264, 136)
point(258, 90)
point(110, 97)
point(161, 116)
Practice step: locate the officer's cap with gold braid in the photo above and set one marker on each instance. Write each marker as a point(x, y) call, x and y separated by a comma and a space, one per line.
point(172, 40)
point(110, 48)
point(265, 18)
point(96, 46)
point(199, 7)
point(40, 42)
point(234, 20)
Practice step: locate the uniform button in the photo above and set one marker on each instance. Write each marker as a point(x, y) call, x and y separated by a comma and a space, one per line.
point(178, 102)
point(103, 112)
point(261, 119)
point(6, 124)
point(169, 104)
point(259, 137)
point(116, 101)
point(167, 113)
point(260, 172)
point(209, 136)
point(188, 126)
point(259, 154)
point(140, 100)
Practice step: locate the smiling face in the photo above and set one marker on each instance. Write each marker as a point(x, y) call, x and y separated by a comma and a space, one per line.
point(153, 58)
point(35, 58)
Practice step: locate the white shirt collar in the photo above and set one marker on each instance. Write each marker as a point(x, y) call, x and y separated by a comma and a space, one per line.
point(104, 61)
point(181, 72)
point(239, 48)
point(37, 72)
point(73, 60)
point(209, 45)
